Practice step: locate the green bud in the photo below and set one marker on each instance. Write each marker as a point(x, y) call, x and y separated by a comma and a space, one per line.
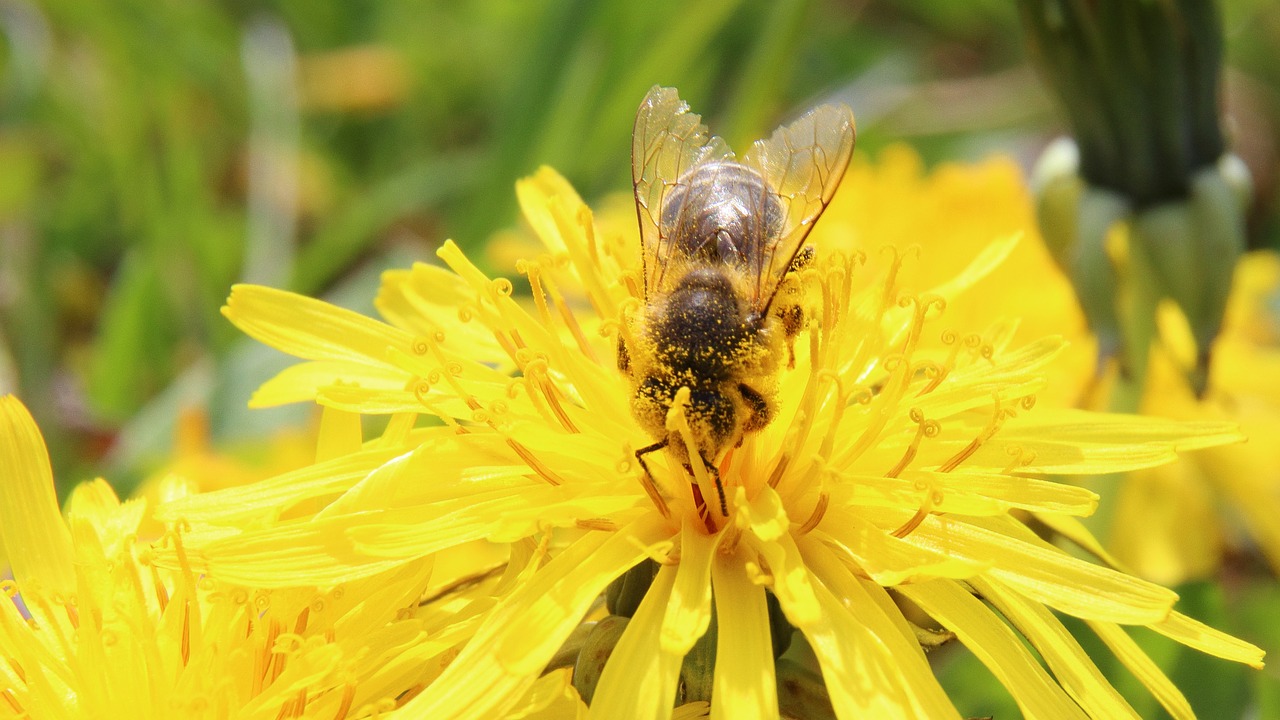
point(1056, 185)
point(1091, 269)
point(599, 645)
point(1192, 247)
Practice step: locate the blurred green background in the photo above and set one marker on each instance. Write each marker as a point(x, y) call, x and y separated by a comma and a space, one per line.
point(152, 153)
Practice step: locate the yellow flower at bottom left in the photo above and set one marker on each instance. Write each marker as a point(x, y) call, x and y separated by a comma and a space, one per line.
point(90, 627)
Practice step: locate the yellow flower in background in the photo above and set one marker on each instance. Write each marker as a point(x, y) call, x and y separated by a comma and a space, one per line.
point(1167, 524)
point(92, 627)
point(1158, 508)
point(902, 444)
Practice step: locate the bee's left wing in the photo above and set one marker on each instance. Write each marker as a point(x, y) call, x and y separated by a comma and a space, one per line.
point(668, 140)
point(802, 163)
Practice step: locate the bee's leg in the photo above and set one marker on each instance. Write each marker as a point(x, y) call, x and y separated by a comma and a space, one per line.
point(761, 411)
point(792, 317)
point(624, 356)
point(790, 312)
point(649, 484)
point(715, 475)
point(803, 258)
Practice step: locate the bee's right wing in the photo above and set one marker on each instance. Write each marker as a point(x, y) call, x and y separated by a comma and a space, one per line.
point(667, 141)
point(802, 164)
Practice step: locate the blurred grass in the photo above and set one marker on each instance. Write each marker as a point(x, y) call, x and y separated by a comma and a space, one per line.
point(154, 153)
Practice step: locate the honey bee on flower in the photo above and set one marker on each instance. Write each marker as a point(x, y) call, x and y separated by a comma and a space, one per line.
point(718, 237)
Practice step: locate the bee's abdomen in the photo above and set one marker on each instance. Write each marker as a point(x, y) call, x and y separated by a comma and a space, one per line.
point(700, 333)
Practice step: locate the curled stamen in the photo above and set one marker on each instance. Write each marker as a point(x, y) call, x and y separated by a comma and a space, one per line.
point(932, 498)
point(538, 371)
point(1021, 458)
point(998, 416)
point(934, 373)
point(609, 327)
point(924, 428)
point(515, 385)
point(501, 287)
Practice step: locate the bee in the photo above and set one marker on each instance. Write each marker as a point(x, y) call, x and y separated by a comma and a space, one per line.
point(718, 237)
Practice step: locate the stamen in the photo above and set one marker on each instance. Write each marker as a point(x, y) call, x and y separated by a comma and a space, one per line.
point(731, 537)
point(12, 702)
point(932, 499)
point(300, 625)
point(820, 509)
point(997, 419)
point(532, 461)
point(348, 697)
point(263, 659)
point(842, 402)
point(700, 506)
point(398, 429)
point(421, 389)
point(533, 271)
point(934, 373)
point(1021, 458)
point(537, 369)
point(662, 552)
point(571, 322)
point(924, 428)
point(579, 236)
point(186, 632)
point(17, 669)
point(604, 524)
point(73, 616)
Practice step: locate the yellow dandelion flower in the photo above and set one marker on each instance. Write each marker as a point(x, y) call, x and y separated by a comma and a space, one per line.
point(92, 627)
point(889, 474)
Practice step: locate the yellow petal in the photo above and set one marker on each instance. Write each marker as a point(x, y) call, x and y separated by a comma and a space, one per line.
point(340, 434)
point(640, 678)
point(1068, 662)
point(876, 629)
point(1142, 667)
point(31, 527)
point(301, 382)
point(1195, 634)
point(310, 329)
point(688, 613)
point(426, 300)
point(270, 497)
point(890, 560)
point(523, 632)
point(744, 685)
point(993, 643)
point(860, 673)
point(1045, 573)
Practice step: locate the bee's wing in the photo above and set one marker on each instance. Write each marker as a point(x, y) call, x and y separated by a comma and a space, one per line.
point(802, 163)
point(667, 141)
